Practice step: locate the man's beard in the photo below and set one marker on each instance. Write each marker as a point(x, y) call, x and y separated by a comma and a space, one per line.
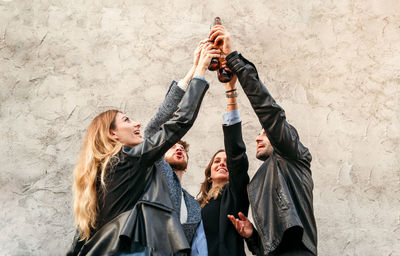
point(178, 165)
point(265, 153)
point(262, 156)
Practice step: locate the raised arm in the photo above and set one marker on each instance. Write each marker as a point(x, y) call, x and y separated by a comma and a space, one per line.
point(166, 109)
point(173, 97)
point(173, 130)
point(235, 149)
point(282, 135)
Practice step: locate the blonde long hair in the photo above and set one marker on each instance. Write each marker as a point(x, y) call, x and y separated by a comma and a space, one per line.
point(98, 148)
point(206, 190)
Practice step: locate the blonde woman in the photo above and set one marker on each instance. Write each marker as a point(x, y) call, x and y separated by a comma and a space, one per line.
point(121, 202)
point(223, 191)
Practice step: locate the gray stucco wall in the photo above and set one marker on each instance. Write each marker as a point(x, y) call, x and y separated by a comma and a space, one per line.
point(333, 65)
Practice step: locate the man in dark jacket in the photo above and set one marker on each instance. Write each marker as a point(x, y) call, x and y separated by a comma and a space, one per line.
point(280, 192)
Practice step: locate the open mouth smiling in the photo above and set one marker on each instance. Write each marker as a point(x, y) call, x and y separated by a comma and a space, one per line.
point(222, 170)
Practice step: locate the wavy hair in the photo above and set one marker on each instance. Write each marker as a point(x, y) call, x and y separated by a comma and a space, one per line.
point(97, 151)
point(206, 191)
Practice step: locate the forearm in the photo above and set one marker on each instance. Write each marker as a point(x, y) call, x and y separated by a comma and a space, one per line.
point(237, 163)
point(170, 103)
point(261, 100)
point(173, 130)
point(231, 96)
point(166, 110)
point(189, 75)
point(282, 135)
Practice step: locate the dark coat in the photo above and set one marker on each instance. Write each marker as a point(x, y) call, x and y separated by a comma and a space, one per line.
point(151, 222)
point(280, 192)
point(234, 195)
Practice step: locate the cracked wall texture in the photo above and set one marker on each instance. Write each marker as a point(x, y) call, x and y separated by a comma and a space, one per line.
point(333, 65)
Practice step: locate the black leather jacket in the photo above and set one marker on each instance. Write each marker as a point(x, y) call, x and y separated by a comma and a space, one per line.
point(280, 193)
point(152, 224)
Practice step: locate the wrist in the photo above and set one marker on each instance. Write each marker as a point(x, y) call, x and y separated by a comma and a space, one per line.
point(232, 94)
point(229, 87)
point(199, 71)
point(231, 55)
point(229, 50)
point(252, 235)
point(192, 70)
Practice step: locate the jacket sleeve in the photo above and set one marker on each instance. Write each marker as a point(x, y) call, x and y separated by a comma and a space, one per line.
point(174, 129)
point(254, 243)
point(238, 165)
point(282, 135)
point(166, 109)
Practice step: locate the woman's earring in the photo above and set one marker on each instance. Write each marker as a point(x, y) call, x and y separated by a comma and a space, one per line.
point(209, 180)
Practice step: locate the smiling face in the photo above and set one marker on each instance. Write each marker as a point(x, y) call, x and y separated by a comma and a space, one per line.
point(264, 147)
point(219, 171)
point(126, 131)
point(177, 157)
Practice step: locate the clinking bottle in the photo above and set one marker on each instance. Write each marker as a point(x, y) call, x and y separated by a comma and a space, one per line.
point(224, 75)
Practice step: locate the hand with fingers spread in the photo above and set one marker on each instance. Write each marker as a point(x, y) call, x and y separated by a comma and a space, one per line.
point(208, 52)
point(243, 226)
point(221, 39)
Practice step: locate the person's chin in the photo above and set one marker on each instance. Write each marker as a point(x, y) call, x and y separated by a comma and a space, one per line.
point(178, 165)
point(223, 175)
point(261, 155)
point(222, 178)
point(178, 159)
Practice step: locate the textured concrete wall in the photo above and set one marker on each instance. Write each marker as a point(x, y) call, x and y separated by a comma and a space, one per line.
point(333, 65)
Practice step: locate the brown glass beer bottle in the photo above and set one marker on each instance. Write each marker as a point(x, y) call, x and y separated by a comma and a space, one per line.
point(214, 64)
point(224, 75)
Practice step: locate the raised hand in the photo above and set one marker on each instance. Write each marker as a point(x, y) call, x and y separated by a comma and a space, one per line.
point(197, 51)
point(208, 52)
point(243, 226)
point(221, 39)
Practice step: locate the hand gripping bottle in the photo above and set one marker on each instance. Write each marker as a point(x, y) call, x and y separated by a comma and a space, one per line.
point(214, 64)
point(224, 75)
